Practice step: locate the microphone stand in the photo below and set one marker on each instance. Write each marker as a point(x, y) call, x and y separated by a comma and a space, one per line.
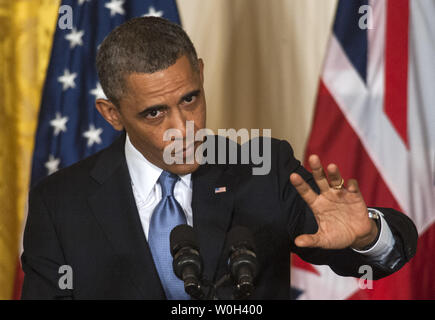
point(214, 286)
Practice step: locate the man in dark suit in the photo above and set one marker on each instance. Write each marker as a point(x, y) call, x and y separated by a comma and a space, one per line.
point(107, 216)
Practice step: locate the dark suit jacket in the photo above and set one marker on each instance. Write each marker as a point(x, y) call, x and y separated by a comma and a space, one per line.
point(85, 216)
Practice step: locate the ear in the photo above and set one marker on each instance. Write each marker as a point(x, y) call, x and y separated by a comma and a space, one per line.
point(201, 70)
point(110, 112)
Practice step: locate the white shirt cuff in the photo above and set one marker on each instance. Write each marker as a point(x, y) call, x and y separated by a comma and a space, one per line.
point(385, 243)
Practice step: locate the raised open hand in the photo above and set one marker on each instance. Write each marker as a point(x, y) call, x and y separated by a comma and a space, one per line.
point(340, 211)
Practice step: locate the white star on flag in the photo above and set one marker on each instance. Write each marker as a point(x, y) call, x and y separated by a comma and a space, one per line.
point(59, 124)
point(75, 38)
point(93, 135)
point(98, 92)
point(115, 6)
point(67, 79)
point(153, 13)
point(52, 164)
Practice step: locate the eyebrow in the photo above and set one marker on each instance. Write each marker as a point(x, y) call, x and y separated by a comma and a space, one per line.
point(190, 94)
point(160, 107)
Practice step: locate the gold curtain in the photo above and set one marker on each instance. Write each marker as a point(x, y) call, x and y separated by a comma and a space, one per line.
point(26, 29)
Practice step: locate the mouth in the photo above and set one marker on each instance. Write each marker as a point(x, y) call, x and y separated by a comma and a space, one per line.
point(186, 153)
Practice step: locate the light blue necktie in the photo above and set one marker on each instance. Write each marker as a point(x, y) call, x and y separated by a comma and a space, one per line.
point(167, 215)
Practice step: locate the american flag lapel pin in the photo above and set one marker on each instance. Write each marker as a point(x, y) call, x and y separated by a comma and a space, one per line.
point(220, 189)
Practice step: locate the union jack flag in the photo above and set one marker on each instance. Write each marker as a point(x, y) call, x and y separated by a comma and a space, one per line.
point(375, 118)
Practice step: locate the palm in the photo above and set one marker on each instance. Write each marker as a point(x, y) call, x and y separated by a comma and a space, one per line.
point(341, 214)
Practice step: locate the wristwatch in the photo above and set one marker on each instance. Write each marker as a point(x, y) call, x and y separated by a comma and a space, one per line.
point(374, 215)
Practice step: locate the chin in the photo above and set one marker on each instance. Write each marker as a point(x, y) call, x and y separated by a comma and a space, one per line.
point(182, 169)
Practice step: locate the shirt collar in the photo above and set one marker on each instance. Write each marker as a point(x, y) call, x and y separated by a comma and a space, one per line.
point(143, 173)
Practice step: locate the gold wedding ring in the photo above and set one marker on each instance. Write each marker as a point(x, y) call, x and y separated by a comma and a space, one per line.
point(340, 186)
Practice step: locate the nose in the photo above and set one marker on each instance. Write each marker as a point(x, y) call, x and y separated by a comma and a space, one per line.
point(178, 122)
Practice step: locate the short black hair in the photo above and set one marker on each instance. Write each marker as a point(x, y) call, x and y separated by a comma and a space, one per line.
point(140, 45)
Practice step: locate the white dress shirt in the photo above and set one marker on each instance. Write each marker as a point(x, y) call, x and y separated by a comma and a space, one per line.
point(147, 193)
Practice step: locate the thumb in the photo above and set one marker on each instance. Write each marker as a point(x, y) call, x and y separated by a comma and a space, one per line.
point(307, 240)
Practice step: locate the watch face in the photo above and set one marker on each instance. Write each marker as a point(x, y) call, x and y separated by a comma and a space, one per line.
point(373, 215)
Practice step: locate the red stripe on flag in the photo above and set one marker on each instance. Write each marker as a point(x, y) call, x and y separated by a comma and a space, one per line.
point(301, 264)
point(396, 65)
point(334, 140)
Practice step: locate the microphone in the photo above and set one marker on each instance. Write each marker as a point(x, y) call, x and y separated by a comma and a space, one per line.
point(242, 260)
point(187, 262)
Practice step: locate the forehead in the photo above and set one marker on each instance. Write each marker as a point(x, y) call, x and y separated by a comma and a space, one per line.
point(176, 79)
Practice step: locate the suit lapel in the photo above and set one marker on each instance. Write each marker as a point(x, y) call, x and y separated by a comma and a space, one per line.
point(115, 209)
point(212, 212)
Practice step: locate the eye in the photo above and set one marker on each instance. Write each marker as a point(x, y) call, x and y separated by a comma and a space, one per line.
point(191, 98)
point(153, 114)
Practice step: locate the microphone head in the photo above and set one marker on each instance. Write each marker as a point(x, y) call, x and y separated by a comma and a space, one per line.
point(242, 260)
point(240, 237)
point(182, 236)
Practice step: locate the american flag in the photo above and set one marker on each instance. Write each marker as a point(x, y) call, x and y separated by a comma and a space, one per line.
point(375, 118)
point(69, 127)
point(220, 190)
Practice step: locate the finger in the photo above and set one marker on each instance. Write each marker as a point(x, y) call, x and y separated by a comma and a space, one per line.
point(352, 186)
point(307, 240)
point(335, 178)
point(318, 173)
point(303, 188)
